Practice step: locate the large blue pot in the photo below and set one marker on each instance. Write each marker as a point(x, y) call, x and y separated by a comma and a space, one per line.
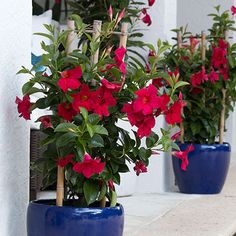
point(207, 169)
point(46, 219)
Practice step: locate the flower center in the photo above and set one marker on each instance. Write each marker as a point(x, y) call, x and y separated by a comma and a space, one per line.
point(84, 98)
point(145, 100)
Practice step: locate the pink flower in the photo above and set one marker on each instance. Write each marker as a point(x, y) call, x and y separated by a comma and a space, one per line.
point(140, 168)
point(66, 111)
point(175, 136)
point(193, 43)
point(119, 56)
point(147, 100)
point(151, 2)
point(84, 98)
point(103, 99)
point(89, 166)
point(183, 156)
point(121, 15)
point(46, 121)
point(233, 10)
point(70, 79)
point(62, 162)
point(23, 107)
point(218, 58)
point(110, 12)
point(111, 86)
point(199, 78)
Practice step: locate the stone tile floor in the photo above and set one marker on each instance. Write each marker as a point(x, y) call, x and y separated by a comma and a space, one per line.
point(175, 214)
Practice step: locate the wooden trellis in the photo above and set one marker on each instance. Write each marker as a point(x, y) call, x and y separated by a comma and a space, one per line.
point(203, 56)
point(96, 32)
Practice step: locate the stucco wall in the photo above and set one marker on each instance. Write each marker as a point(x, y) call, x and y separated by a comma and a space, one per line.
point(15, 36)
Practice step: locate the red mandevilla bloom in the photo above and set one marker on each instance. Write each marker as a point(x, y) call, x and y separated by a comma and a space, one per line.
point(158, 82)
point(66, 111)
point(110, 12)
point(23, 107)
point(140, 168)
point(84, 98)
point(199, 78)
point(62, 162)
point(213, 76)
point(103, 100)
point(175, 136)
point(151, 2)
point(46, 121)
point(183, 156)
point(147, 100)
point(70, 79)
point(89, 166)
point(145, 17)
point(233, 10)
point(111, 86)
point(218, 58)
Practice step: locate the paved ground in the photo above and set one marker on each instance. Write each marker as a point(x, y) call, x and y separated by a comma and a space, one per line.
point(174, 214)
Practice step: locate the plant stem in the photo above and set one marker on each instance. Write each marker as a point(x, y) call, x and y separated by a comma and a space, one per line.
point(103, 202)
point(222, 117)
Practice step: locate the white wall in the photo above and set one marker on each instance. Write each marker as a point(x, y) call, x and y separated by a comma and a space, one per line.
point(194, 13)
point(164, 18)
point(15, 35)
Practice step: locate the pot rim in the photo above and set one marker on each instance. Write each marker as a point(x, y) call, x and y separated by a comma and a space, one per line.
point(43, 202)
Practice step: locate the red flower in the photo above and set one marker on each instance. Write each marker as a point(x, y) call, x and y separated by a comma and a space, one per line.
point(224, 72)
point(89, 166)
point(46, 121)
point(218, 58)
point(145, 123)
point(23, 107)
point(175, 72)
point(183, 155)
point(151, 2)
point(66, 111)
point(223, 44)
point(196, 91)
point(140, 168)
point(119, 56)
point(199, 78)
point(213, 76)
point(65, 160)
point(233, 10)
point(158, 82)
point(84, 98)
point(103, 100)
point(164, 101)
point(175, 136)
point(70, 79)
point(145, 17)
point(110, 86)
point(147, 100)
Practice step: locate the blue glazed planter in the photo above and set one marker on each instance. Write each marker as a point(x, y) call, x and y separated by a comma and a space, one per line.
point(46, 219)
point(207, 169)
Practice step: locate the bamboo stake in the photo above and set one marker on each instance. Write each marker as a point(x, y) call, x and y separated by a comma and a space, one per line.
point(103, 202)
point(222, 117)
point(179, 45)
point(97, 26)
point(203, 47)
point(60, 186)
point(71, 37)
point(124, 35)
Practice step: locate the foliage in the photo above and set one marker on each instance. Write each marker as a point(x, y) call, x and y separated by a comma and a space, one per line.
point(86, 139)
point(208, 78)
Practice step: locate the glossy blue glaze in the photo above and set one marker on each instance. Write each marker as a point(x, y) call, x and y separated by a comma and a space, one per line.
point(49, 220)
point(207, 169)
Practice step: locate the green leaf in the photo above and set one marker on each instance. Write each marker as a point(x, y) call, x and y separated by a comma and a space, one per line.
point(103, 192)
point(180, 84)
point(90, 130)
point(48, 140)
point(98, 129)
point(152, 140)
point(64, 139)
point(91, 191)
point(144, 153)
point(84, 113)
point(93, 119)
point(66, 127)
point(96, 141)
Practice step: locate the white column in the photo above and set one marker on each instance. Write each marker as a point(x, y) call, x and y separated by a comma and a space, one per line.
point(15, 48)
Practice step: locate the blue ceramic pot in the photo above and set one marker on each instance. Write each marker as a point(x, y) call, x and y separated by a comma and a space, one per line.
point(207, 169)
point(46, 219)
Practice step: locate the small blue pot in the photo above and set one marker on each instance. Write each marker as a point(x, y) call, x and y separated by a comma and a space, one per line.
point(46, 219)
point(207, 169)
